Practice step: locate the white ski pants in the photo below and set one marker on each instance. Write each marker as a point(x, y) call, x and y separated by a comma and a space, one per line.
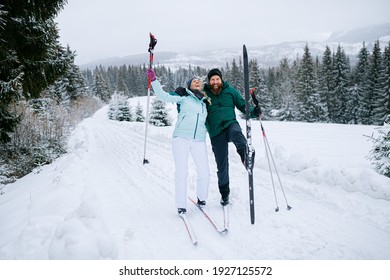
point(181, 148)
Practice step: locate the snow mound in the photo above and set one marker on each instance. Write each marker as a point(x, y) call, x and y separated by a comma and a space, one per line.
point(82, 235)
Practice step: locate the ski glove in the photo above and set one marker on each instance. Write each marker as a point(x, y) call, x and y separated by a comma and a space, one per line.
point(150, 74)
point(198, 94)
point(181, 91)
point(257, 110)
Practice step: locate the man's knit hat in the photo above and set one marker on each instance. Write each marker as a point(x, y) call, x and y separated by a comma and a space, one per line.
point(214, 72)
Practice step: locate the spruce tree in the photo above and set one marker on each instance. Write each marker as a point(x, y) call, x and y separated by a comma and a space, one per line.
point(159, 114)
point(257, 80)
point(386, 76)
point(339, 97)
point(100, 87)
point(380, 152)
point(376, 87)
point(310, 108)
point(139, 114)
point(326, 82)
point(235, 77)
point(360, 86)
point(284, 89)
point(71, 86)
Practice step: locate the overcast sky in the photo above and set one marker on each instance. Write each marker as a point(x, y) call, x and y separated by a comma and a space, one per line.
point(114, 28)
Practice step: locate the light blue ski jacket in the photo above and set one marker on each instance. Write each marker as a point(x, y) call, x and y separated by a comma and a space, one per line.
point(192, 116)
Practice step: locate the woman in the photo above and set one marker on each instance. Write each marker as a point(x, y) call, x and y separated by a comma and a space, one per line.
point(189, 136)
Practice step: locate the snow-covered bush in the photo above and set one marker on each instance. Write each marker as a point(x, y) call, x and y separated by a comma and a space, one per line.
point(380, 152)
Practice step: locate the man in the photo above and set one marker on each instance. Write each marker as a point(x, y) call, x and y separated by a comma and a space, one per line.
point(223, 126)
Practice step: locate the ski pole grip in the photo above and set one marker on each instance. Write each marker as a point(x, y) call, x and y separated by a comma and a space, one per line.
point(253, 95)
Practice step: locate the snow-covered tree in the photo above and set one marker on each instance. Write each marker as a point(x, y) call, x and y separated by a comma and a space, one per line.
point(71, 86)
point(257, 80)
point(309, 104)
point(100, 87)
point(139, 113)
point(339, 96)
point(159, 114)
point(121, 85)
point(119, 108)
point(380, 152)
point(376, 87)
point(386, 75)
point(360, 83)
point(326, 82)
point(235, 76)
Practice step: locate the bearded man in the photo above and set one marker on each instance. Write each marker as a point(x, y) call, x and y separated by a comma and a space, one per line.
point(223, 126)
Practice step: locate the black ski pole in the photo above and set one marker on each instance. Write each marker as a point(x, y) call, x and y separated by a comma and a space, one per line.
point(269, 155)
point(153, 42)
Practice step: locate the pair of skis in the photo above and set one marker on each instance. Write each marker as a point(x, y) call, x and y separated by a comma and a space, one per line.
point(206, 214)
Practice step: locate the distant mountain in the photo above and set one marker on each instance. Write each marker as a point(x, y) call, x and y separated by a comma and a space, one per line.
point(367, 34)
point(266, 55)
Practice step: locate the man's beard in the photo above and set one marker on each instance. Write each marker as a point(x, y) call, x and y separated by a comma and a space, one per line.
point(216, 89)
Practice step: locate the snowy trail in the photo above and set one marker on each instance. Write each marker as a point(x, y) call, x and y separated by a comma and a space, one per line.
point(100, 202)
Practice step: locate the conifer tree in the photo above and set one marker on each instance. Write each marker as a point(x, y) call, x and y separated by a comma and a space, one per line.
point(234, 77)
point(100, 87)
point(139, 114)
point(380, 152)
point(257, 80)
point(71, 86)
point(121, 85)
point(308, 100)
point(159, 114)
point(376, 87)
point(326, 82)
point(386, 76)
point(360, 86)
point(169, 85)
point(284, 88)
point(339, 97)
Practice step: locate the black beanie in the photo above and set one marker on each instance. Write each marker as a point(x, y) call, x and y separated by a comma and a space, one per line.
point(214, 72)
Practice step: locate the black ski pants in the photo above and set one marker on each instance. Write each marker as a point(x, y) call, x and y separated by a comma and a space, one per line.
point(220, 147)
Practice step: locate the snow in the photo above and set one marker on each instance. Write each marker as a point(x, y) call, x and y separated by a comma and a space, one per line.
point(99, 201)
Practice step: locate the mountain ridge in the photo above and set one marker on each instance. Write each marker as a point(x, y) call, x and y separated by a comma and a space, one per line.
point(267, 55)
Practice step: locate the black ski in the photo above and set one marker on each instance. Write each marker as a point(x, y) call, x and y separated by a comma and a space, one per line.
point(249, 148)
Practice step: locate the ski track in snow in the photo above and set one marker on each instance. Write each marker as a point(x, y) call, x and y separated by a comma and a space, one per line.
point(100, 202)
